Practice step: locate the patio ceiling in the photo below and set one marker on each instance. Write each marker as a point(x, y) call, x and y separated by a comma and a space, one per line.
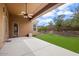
point(32, 8)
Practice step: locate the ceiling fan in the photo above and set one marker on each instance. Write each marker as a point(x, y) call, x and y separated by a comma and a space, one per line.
point(25, 13)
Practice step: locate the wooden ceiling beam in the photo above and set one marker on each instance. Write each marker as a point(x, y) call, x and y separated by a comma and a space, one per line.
point(49, 5)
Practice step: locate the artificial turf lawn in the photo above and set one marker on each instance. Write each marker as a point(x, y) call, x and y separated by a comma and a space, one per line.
point(70, 43)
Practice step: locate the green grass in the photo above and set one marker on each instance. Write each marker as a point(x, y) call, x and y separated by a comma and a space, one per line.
point(70, 43)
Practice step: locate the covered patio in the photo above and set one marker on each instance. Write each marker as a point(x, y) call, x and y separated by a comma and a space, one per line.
point(16, 23)
point(16, 19)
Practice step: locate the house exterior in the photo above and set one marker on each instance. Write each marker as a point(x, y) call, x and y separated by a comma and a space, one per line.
point(13, 24)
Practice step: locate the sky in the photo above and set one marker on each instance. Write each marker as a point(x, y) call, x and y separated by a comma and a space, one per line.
point(66, 9)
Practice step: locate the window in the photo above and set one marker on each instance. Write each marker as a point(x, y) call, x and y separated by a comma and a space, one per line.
point(34, 27)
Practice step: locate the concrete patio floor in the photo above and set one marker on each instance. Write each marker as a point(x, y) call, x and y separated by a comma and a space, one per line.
point(23, 46)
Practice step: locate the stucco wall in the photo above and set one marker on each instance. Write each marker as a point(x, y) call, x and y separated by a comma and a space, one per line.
point(3, 25)
point(24, 27)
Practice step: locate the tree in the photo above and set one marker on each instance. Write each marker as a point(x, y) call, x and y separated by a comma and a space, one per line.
point(75, 19)
point(58, 22)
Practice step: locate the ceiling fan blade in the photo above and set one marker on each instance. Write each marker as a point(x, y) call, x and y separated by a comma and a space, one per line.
point(25, 16)
point(23, 12)
point(29, 16)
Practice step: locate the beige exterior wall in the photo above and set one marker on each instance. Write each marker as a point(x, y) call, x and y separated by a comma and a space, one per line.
point(3, 25)
point(24, 27)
